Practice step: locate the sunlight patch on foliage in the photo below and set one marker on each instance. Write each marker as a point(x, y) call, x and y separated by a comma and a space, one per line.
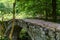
point(23, 15)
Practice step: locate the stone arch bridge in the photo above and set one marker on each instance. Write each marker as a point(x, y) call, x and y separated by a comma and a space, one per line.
point(37, 29)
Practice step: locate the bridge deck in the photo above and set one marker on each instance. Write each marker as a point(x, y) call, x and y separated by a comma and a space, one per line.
point(44, 23)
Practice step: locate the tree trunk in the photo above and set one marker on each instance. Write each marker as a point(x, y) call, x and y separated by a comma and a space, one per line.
point(46, 11)
point(10, 36)
point(54, 10)
point(3, 28)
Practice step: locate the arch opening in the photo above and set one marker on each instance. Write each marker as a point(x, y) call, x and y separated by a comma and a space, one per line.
point(20, 33)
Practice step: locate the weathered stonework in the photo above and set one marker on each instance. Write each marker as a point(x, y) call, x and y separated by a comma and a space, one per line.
point(38, 30)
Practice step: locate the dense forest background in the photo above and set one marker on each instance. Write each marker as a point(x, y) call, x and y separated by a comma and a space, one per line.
point(41, 9)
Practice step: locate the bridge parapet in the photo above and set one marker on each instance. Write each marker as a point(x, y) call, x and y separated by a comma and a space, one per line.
point(41, 30)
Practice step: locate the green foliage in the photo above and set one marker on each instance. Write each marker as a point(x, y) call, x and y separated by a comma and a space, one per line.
point(29, 7)
point(34, 7)
point(22, 33)
point(58, 8)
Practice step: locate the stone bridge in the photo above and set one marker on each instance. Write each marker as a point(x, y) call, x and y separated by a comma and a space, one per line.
point(37, 29)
